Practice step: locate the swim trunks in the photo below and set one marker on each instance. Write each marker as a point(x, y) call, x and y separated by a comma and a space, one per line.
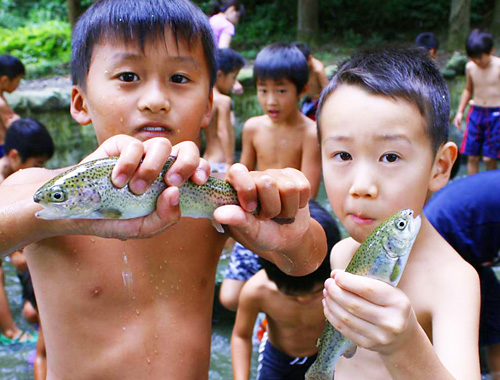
point(482, 135)
point(309, 107)
point(275, 365)
point(2, 150)
point(243, 264)
point(27, 287)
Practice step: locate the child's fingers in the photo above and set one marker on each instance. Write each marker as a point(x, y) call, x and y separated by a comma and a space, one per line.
point(269, 196)
point(156, 153)
point(186, 163)
point(244, 184)
point(128, 162)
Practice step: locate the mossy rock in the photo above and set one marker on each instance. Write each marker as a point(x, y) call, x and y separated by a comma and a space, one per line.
point(48, 99)
point(457, 63)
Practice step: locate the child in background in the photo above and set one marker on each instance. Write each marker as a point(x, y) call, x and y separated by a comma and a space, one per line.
point(467, 214)
point(281, 138)
point(317, 81)
point(28, 144)
point(225, 15)
point(219, 134)
point(293, 312)
point(482, 82)
point(145, 84)
point(11, 72)
point(383, 125)
point(429, 42)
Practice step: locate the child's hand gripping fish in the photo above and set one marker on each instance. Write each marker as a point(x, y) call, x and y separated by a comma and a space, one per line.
point(86, 192)
point(383, 256)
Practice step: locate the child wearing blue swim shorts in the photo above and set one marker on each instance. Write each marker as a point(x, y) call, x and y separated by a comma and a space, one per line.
point(482, 134)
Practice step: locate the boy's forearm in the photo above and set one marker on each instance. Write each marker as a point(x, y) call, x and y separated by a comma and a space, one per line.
point(241, 356)
point(464, 100)
point(304, 255)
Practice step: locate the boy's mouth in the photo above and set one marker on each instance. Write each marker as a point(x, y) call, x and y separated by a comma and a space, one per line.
point(156, 130)
point(361, 220)
point(273, 113)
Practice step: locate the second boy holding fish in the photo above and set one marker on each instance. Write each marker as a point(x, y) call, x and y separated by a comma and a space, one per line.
point(383, 122)
point(137, 94)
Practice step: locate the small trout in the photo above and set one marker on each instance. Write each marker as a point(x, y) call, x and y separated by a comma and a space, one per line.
point(383, 255)
point(86, 192)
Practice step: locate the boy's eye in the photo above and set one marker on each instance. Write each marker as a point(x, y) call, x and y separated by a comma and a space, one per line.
point(343, 156)
point(128, 77)
point(390, 157)
point(178, 78)
point(281, 90)
point(262, 90)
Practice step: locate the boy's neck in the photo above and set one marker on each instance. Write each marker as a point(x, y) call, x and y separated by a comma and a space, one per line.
point(5, 168)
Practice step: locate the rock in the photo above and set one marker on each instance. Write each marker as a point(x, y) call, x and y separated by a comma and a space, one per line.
point(47, 99)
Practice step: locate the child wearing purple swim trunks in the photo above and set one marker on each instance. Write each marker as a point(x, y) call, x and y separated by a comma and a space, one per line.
point(482, 134)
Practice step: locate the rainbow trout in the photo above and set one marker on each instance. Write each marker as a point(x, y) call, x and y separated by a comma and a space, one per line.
point(383, 255)
point(86, 192)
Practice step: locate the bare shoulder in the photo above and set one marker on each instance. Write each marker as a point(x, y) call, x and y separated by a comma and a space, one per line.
point(222, 102)
point(342, 253)
point(29, 176)
point(255, 123)
point(256, 288)
point(317, 64)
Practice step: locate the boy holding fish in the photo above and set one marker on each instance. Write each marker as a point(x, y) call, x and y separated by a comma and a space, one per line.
point(383, 124)
point(143, 73)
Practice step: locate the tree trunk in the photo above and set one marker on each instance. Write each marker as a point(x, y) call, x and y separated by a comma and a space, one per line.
point(459, 24)
point(307, 25)
point(74, 11)
point(495, 22)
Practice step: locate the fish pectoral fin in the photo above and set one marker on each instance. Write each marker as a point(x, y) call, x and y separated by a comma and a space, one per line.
point(110, 213)
point(350, 351)
point(217, 226)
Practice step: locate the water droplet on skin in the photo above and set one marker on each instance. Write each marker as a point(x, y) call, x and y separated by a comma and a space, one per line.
point(148, 360)
point(124, 328)
point(156, 336)
point(156, 352)
point(137, 312)
point(161, 266)
point(92, 240)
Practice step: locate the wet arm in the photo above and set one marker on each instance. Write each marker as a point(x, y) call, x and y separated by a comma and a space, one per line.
point(464, 100)
point(248, 153)
point(224, 40)
point(241, 339)
point(311, 163)
point(225, 130)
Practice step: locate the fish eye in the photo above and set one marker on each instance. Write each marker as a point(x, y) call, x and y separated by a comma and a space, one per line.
point(401, 224)
point(58, 195)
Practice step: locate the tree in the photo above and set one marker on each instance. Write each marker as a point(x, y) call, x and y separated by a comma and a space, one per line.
point(459, 24)
point(307, 24)
point(495, 22)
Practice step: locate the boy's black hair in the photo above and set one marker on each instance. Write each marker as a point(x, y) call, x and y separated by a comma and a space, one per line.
point(30, 138)
point(228, 60)
point(11, 66)
point(400, 72)
point(427, 40)
point(139, 22)
point(303, 48)
point(479, 43)
point(282, 61)
point(222, 6)
point(304, 284)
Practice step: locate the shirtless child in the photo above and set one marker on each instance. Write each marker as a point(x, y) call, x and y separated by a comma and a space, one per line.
point(281, 138)
point(482, 134)
point(317, 81)
point(11, 72)
point(383, 121)
point(219, 134)
point(142, 73)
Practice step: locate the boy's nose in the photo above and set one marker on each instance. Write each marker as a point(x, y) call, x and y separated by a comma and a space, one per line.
point(363, 185)
point(155, 98)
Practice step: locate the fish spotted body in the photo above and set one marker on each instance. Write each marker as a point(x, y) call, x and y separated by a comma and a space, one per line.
point(86, 192)
point(383, 256)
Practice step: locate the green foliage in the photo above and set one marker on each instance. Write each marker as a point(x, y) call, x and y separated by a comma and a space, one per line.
point(41, 47)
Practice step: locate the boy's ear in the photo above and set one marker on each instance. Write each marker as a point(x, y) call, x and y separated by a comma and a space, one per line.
point(15, 159)
point(443, 163)
point(78, 109)
point(207, 115)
